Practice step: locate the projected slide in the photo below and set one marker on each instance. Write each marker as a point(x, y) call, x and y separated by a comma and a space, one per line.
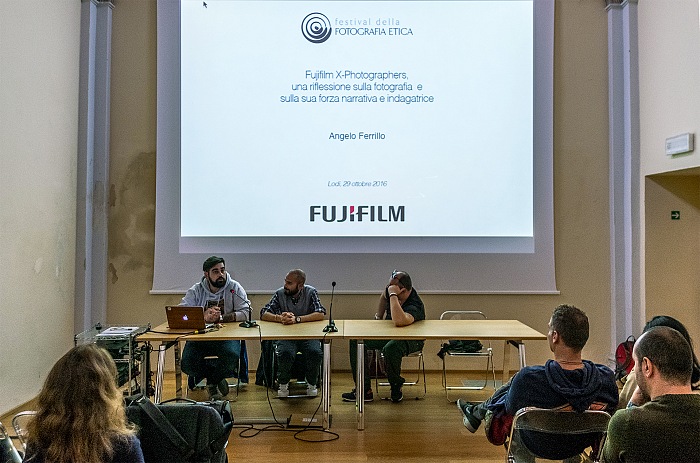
point(362, 119)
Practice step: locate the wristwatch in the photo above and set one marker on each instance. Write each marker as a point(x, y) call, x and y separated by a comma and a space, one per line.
point(298, 320)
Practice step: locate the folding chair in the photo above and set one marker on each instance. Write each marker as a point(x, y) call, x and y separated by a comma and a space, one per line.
point(558, 423)
point(8, 452)
point(420, 370)
point(20, 424)
point(241, 376)
point(485, 352)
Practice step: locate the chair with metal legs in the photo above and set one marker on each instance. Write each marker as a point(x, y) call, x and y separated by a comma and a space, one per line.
point(485, 352)
point(242, 364)
point(420, 371)
point(8, 452)
point(559, 424)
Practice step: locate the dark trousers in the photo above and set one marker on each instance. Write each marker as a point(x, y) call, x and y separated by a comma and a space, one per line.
point(394, 350)
point(286, 352)
point(225, 365)
point(480, 409)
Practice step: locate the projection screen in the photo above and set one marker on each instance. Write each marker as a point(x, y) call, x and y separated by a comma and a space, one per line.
point(350, 138)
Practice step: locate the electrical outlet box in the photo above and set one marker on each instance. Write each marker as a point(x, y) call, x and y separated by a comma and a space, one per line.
point(680, 144)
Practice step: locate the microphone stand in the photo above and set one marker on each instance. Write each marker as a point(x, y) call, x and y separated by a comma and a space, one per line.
point(246, 323)
point(331, 328)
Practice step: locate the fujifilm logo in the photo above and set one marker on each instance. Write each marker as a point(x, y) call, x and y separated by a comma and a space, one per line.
point(357, 213)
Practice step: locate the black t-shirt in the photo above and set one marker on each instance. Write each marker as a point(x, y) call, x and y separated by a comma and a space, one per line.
point(413, 305)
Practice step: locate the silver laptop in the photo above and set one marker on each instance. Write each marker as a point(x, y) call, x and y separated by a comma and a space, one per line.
point(183, 317)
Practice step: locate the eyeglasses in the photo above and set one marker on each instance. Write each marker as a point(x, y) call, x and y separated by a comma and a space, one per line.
point(394, 273)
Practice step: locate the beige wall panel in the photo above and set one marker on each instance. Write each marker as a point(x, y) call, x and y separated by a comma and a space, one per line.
point(673, 249)
point(580, 189)
point(39, 51)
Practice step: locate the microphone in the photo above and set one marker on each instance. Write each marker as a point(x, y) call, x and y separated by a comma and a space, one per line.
point(331, 328)
point(246, 323)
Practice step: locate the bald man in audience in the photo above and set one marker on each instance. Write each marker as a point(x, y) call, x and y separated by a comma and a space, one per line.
point(667, 426)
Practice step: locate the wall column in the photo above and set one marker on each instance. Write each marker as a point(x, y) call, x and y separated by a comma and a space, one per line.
point(91, 257)
point(627, 295)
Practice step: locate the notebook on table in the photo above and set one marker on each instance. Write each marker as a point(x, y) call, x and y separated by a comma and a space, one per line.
point(183, 317)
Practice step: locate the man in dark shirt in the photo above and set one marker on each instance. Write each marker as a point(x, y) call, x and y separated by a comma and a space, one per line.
point(296, 302)
point(568, 382)
point(667, 426)
point(400, 303)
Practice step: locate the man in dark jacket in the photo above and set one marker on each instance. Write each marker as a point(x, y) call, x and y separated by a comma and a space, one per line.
point(567, 382)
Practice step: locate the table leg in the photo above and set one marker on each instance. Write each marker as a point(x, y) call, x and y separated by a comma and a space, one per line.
point(178, 371)
point(159, 372)
point(145, 367)
point(326, 388)
point(521, 354)
point(518, 344)
point(360, 385)
point(506, 362)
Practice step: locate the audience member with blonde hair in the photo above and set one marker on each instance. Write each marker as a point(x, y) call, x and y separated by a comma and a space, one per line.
point(80, 413)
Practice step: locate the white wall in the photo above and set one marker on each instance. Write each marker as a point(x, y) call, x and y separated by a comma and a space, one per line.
point(669, 72)
point(39, 49)
point(669, 77)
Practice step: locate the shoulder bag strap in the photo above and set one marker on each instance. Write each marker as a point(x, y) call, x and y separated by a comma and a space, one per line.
point(164, 425)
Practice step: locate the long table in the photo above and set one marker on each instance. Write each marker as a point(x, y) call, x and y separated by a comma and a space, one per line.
point(512, 332)
point(264, 331)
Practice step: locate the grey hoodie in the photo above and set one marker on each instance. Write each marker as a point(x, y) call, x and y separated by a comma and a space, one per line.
point(236, 306)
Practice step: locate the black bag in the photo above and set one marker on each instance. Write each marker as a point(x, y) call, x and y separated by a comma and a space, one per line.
point(468, 346)
point(182, 431)
point(624, 362)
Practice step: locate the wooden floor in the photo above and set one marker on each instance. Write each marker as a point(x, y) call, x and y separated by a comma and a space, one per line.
point(428, 430)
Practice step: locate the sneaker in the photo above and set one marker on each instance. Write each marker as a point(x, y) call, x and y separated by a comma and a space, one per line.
point(222, 386)
point(217, 391)
point(194, 391)
point(471, 422)
point(213, 391)
point(396, 393)
point(283, 391)
point(352, 397)
point(191, 383)
point(311, 390)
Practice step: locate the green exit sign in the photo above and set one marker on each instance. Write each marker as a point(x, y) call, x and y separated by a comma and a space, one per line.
point(675, 215)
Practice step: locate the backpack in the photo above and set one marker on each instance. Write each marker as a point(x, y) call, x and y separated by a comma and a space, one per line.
point(624, 362)
point(182, 431)
point(497, 426)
